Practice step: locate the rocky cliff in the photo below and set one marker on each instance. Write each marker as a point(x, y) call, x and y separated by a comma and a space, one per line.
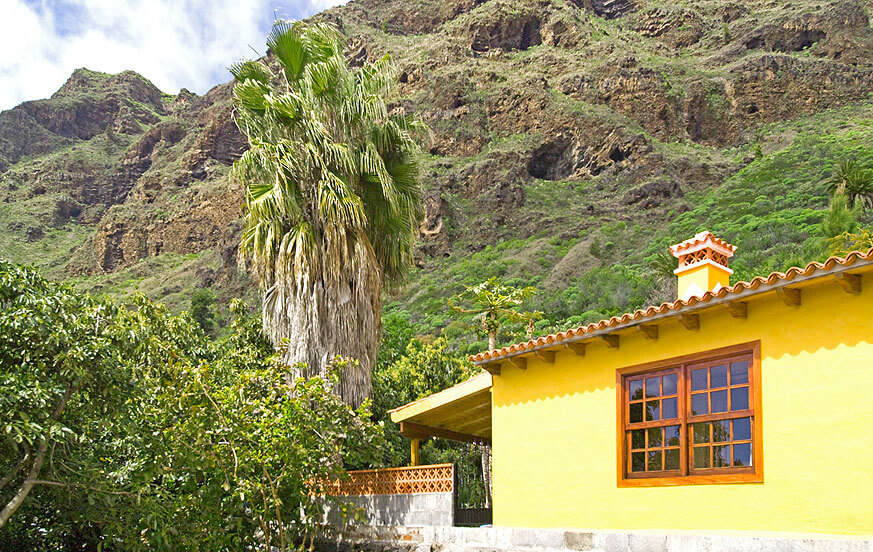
point(570, 136)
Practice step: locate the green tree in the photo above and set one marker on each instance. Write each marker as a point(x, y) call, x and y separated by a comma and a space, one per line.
point(841, 217)
point(493, 304)
point(844, 243)
point(71, 370)
point(855, 182)
point(418, 370)
point(332, 195)
point(201, 309)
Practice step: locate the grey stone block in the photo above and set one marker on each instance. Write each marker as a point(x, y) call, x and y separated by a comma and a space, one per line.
point(575, 540)
point(643, 542)
point(611, 542)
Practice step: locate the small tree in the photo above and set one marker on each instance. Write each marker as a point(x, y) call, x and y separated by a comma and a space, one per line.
point(493, 304)
point(840, 217)
point(847, 242)
point(855, 182)
point(201, 309)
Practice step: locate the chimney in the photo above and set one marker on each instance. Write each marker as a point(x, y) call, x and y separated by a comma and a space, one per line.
point(703, 264)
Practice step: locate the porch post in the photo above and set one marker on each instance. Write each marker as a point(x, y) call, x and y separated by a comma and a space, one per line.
point(414, 450)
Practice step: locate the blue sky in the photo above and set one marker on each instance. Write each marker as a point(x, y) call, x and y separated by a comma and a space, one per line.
point(173, 43)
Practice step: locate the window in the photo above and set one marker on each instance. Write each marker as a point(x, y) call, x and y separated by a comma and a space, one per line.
point(689, 420)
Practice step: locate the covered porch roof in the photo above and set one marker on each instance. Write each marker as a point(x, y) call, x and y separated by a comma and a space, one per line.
point(459, 413)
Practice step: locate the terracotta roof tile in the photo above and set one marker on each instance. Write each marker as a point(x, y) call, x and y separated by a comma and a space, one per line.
point(663, 308)
point(699, 238)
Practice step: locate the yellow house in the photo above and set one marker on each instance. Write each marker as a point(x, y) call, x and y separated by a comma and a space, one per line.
point(737, 409)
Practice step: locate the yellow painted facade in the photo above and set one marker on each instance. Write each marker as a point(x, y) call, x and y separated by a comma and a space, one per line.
point(554, 427)
point(701, 278)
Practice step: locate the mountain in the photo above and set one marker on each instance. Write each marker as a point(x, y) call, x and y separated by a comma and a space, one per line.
point(573, 141)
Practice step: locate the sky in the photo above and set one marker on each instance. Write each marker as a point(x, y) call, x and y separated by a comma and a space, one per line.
point(173, 43)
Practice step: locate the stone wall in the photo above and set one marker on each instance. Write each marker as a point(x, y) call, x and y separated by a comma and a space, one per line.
point(420, 509)
point(506, 539)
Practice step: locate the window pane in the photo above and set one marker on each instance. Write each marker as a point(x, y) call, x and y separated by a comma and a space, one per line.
point(655, 460)
point(719, 401)
point(742, 429)
point(636, 413)
point(743, 454)
point(653, 410)
point(721, 431)
point(740, 398)
point(699, 406)
point(671, 383)
point(701, 457)
point(655, 440)
point(698, 379)
point(701, 433)
point(638, 461)
point(653, 387)
point(671, 459)
point(671, 436)
point(718, 376)
point(636, 390)
point(670, 408)
point(721, 457)
point(739, 373)
point(638, 439)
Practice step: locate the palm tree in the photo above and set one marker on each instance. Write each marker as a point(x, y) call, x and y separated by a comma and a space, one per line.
point(855, 182)
point(332, 196)
point(492, 304)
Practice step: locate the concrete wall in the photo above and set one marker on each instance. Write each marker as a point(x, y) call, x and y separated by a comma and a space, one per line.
point(424, 509)
point(507, 539)
point(554, 428)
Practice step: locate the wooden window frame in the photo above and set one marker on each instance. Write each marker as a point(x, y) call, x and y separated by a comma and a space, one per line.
point(709, 476)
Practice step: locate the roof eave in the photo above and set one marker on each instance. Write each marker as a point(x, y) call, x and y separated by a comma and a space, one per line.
point(684, 309)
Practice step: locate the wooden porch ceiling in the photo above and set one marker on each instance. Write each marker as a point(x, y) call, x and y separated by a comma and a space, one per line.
point(460, 413)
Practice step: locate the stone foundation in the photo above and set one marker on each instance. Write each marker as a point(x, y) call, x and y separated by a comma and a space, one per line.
point(506, 539)
point(421, 509)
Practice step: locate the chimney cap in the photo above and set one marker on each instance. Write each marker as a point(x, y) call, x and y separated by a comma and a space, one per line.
point(703, 240)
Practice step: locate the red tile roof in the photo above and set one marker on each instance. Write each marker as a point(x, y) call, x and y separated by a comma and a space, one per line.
point(663, 308)
point(700, 238)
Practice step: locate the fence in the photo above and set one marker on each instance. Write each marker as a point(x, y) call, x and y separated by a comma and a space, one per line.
point(409, 496)
point(437, 478)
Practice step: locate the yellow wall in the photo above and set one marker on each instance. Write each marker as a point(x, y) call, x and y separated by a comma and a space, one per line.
point(704, 278)
point(554, 428)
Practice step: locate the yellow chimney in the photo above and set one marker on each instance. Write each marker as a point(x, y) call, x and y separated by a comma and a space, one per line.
point(703, 264)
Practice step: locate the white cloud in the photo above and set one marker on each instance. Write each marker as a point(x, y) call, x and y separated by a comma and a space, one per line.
point(173, 43)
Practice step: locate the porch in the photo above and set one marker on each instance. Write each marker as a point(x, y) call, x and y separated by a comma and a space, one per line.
point(427, 495)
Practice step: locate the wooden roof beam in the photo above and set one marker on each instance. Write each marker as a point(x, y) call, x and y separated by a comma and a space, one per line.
point(492, 368)
point(546, 356)
point(851, 283)
point(690, 321)
point(789, 296)
point(518, 362)
point(738, 309)
point(612, 340)
point(648, 331)
point(577, 348)
point(416, 431)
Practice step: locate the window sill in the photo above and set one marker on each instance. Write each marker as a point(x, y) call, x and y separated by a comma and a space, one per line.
point(719, 479)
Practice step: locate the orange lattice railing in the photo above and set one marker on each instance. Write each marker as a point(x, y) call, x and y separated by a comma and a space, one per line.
point(437, 478)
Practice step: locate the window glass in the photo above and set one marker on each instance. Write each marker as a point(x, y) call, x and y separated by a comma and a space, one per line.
point(701, 433)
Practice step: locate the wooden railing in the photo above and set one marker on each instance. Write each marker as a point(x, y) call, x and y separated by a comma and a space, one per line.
point(437, 478)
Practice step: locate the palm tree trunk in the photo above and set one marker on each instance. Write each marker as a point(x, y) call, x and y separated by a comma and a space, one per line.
point(324, 316)
point(492, 341)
